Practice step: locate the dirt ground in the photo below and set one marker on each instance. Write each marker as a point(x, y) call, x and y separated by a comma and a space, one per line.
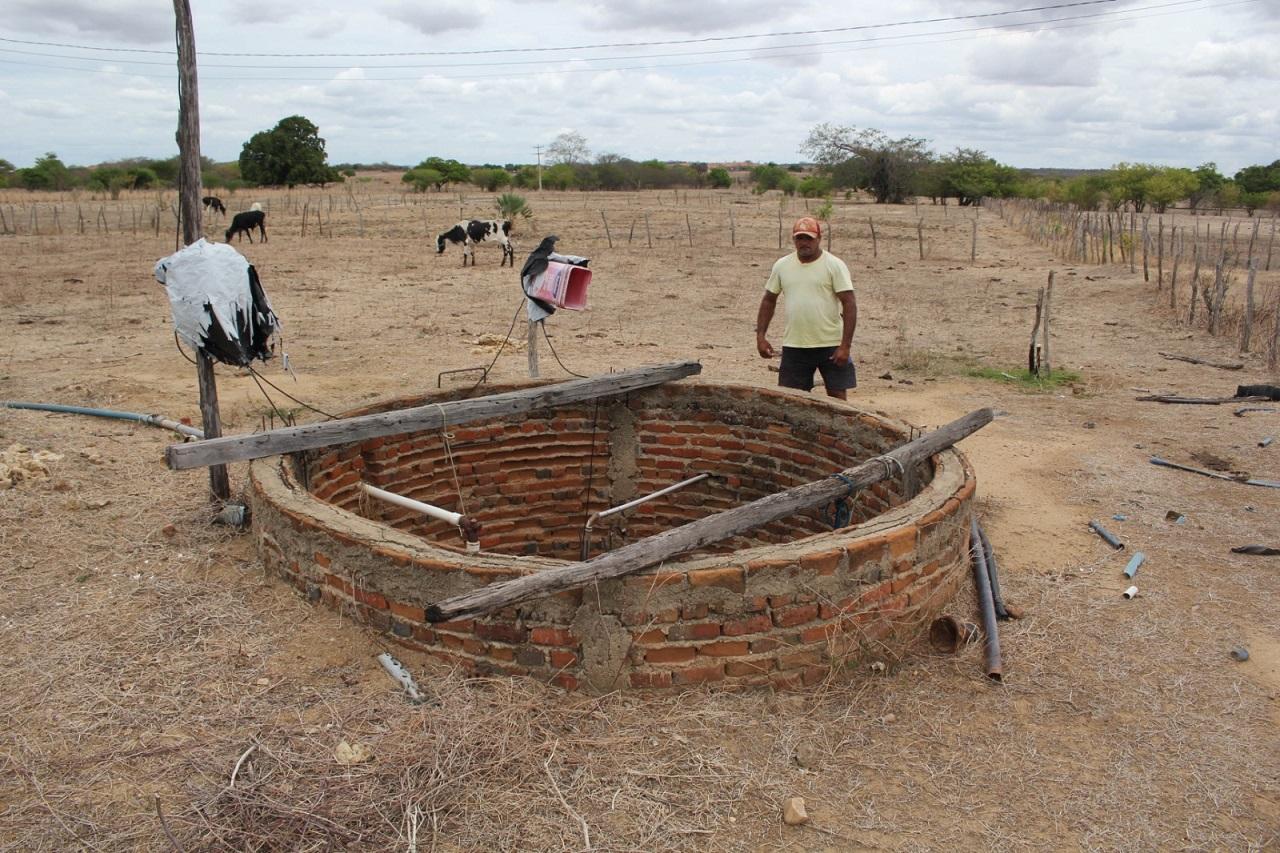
point(158, 692)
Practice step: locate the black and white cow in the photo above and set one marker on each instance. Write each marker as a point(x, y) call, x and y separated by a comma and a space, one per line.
point(212, 201)
point(479, 231)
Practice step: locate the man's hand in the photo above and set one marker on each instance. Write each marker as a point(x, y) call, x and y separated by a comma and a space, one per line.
point(764, 347)
point(841, 356)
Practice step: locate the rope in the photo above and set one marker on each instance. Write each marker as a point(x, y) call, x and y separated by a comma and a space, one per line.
point(840, 510)
point(448, 454)
point(888, 462)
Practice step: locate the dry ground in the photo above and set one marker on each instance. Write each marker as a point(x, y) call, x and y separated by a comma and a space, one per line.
point(158, 692)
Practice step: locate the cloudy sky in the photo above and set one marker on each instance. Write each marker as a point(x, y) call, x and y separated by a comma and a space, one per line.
point(1033, 83)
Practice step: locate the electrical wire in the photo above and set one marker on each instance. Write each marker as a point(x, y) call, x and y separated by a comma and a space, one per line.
point(505, 340)
point(757, 52)
point(553, 352)
point(594, 46)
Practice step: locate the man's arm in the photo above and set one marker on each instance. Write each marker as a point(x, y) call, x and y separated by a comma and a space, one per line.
point(763, 318)
point(849, 313)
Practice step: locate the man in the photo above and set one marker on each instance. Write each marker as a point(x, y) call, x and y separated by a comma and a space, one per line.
point(821, 314)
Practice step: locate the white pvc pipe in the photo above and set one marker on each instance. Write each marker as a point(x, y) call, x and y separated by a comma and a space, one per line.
point(409, 503)
point(1130, 592)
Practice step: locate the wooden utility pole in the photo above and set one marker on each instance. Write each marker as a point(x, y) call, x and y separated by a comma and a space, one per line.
point(192, 227)
point(705, 531)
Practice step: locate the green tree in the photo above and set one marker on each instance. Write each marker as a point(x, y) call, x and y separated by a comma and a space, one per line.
point(768, 177)
point(1087, 192)
point(1208, 181)
point(1169, 186)
point(815, 186)
point(868, 159)
point(490, 180)
point(48, 173)
point(561, 176)
point(719, 179)
point(291, 153)
point(969, 175)
point(423, 179)
point(1128, 184)
point(453, 171)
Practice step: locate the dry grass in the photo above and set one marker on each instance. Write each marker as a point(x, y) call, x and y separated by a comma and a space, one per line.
point(146, 663)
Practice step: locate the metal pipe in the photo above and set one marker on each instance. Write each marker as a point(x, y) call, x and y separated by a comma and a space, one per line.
point(1107, 536)
point(983, 582)
point(468, 526)
point(1134, 561)
point(993, 572)
point(153, 420)
point(605, 513)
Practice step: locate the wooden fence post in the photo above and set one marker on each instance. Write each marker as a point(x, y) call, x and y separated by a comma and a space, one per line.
point(875, 251)
point(607, 235)
point(1044, 347)
point(1247, 332)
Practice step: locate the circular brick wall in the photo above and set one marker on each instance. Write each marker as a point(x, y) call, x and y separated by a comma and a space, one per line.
point(784, 604)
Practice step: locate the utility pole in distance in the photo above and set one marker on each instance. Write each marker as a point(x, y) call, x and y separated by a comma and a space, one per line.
point(538, 149)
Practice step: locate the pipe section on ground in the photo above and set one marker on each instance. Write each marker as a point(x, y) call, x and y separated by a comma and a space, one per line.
point(983, 581)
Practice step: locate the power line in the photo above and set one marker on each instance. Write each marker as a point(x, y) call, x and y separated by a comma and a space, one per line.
point(700, 40)
point(869, 43)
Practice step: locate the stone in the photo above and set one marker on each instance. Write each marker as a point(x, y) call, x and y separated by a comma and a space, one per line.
point(807, 755)
point(793, 813)
point(890, 718)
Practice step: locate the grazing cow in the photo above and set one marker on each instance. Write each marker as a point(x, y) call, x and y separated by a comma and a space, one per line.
point(478, 231)
point(244, 223)
point(216, 203)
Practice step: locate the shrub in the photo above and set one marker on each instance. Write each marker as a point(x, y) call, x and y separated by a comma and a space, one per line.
point(511, 205)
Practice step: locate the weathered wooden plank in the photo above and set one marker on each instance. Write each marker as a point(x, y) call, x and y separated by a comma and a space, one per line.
point(655, 549)
point(235, 448)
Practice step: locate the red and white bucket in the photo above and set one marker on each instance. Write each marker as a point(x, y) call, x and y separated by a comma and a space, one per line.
point(564, 285)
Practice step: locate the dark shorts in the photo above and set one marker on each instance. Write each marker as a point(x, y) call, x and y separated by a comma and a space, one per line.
point(799, 363)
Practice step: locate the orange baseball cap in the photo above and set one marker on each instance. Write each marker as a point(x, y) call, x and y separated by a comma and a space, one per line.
point(807, 225)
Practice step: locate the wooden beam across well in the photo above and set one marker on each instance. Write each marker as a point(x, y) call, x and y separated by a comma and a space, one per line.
point(235, 448)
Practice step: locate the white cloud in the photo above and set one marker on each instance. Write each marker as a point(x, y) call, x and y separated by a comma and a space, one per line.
point(435, 18)
point(130, 21)
point(1250, 59)
point(1036, 59)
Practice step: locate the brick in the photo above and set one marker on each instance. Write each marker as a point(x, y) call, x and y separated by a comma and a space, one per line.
point(502, 653)
point(751, 625)
point(371, 598)
point(766, 565)
point(546, 636)
point(822, 563)
point(501, 631)
point(789, 617)
point(814, 675)
point(530, 657)
point(748, 667)
point(694, 631)
point(408, 611)
point(653, 637)
point(729, 578)
point(787, 680)
point(728, 649)
point(561, 659)
point(795, 660)
point(462, 626)
point(339, 583)
point(764, 645)
point(667, 616)
point(650, 679)
point(699, 674)
point(321, 560)
point(656, 580)
point(670, 654)
point(565, 680)
point(694, 611)
point(780, 600)
point(818, 634)
point(473, 646)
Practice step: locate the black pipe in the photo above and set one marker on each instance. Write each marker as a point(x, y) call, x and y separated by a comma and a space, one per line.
point(993, 572)
point(983, 581)
point(1107, 535)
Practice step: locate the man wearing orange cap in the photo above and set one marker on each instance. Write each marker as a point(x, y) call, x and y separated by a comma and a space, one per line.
point(821, 314)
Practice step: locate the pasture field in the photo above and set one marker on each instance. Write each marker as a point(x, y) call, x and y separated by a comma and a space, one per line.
point(159, 692)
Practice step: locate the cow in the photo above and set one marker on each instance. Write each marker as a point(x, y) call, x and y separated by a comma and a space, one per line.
point(245, 222)
point(216, 203)
point(468, 233)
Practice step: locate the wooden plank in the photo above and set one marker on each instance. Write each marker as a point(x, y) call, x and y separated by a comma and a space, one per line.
point(655, 549)
point(236, 448)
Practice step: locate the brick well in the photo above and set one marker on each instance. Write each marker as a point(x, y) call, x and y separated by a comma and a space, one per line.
point(781, 606)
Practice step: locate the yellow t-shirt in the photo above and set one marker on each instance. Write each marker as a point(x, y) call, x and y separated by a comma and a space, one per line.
point(814, 316)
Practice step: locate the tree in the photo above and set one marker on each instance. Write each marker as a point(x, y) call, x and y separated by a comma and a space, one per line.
point(770, 176)
point(423, 179)
point(719, 179)
point(1128, 184)
point(969, 176)
point(569, 147)
point(559, 177)
point(815, 186)
point(490, 180)
point(1169, 186)
point(48, 173)
point(291, 153)
point(868, 159)
point(453, 171)
point(1208, 181)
